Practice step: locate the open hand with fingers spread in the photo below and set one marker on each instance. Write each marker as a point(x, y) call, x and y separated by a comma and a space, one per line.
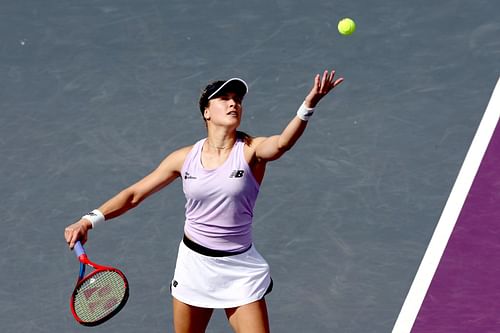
point(321, 87)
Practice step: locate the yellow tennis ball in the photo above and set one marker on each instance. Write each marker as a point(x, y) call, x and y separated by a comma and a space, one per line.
point(346, 26)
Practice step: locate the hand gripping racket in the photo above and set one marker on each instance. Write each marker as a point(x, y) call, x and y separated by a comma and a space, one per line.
point(99, 295)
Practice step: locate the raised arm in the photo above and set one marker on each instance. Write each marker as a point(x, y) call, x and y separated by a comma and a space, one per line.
point(168, 170)
point(273, 147)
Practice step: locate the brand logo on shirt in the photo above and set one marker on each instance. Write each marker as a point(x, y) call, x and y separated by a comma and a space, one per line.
point(188, 176)
point(237, 174)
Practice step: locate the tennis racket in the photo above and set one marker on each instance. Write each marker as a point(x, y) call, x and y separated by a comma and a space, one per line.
point(99, 295)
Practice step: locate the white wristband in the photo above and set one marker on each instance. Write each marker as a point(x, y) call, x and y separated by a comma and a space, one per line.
point(304, 112)
point(95, 217)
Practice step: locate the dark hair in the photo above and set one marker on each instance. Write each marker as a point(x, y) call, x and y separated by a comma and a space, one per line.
point(209, 89)
point(244, 136)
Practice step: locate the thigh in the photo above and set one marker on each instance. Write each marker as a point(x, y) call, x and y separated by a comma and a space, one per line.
point(190, 319)
point(249, 318)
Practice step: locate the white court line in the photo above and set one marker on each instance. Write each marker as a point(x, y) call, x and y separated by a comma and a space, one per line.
point(449, 216)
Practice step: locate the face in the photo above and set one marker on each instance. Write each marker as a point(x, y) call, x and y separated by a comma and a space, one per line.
point(225, 109)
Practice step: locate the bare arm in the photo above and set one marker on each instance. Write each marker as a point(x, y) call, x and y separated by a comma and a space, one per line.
point(272, 148)
point(168, 170)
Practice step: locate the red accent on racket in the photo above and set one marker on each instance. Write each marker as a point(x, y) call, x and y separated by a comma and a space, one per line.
point(99, 295)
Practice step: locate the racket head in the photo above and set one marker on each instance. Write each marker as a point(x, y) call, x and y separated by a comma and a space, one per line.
point(99, 296)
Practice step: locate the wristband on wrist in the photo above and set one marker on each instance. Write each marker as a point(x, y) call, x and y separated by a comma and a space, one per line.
point(95, 217)
point(304, 112)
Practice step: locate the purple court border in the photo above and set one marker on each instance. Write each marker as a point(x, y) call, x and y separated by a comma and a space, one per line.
point(455, 289)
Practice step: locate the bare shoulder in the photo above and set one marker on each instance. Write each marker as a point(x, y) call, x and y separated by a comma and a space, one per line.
point(258, 140)
point(182, 152)
point(251, 143)
point(175, 160)
point(257, 166)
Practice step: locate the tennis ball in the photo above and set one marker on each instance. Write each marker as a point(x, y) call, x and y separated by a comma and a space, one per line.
point(346, 26)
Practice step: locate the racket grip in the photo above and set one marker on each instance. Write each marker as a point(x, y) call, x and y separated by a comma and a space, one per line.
point(79, 249)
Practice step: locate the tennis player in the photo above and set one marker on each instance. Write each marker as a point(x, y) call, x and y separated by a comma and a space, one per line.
point(217, 265)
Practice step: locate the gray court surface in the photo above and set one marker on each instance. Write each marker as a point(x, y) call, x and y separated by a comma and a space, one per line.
point(94, 94)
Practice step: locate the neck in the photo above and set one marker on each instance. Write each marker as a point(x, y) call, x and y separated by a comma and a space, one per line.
point(220, 147)
point(221, 140)
point(221, 144)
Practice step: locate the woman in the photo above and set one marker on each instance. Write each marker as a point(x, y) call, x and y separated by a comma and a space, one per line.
point(217, 265)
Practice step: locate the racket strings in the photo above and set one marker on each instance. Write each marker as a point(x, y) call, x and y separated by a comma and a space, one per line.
point(99, 295)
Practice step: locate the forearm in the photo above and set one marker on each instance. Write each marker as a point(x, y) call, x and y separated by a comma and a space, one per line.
point(292, 132)
point(272, 148)
point(119, 204)
point(133, 195)
point(114, 207)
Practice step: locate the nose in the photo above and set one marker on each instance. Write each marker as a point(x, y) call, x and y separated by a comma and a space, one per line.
point(235, 100)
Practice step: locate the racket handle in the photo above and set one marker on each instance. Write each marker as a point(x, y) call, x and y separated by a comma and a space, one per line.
point(79, 249)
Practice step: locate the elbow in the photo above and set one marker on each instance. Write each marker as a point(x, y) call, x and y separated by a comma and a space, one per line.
point(285, 144)
point(280, 151)
point(133, 198)
point(134, 202)
point(283, 147)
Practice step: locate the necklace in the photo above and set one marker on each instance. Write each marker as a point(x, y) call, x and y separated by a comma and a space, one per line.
point(217, 147)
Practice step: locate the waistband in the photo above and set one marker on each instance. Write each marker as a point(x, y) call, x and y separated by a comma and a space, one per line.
point(210, 252)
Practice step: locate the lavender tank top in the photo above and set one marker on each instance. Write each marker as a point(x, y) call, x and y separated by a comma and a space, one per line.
point(220, 201)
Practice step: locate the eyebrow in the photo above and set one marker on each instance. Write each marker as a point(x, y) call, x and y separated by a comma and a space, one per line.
point(230, 94)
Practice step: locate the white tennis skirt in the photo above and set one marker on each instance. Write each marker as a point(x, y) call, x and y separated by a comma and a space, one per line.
point(220, 282)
